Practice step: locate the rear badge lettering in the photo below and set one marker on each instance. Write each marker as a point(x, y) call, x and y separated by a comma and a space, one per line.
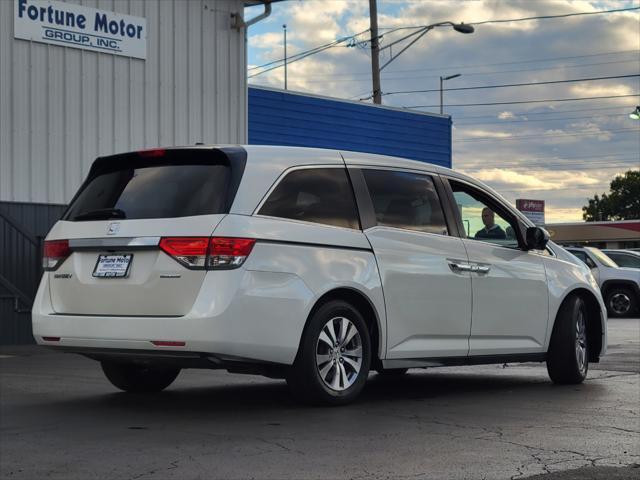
point(62, 275)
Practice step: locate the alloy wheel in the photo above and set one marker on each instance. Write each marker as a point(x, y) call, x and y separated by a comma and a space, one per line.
point(620, 303)
point(581, 341)
point(339, 353)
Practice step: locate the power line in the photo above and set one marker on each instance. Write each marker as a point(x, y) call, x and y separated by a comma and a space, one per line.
point(292, 59)
point(330, 44)
point(553, 167)
point(548, 82)
point(544, 166)
point(517, 137)
point(549, 100)
point(557, 67)
point(599, 159)
point(548, 17)
point(321, 48)
point(506, 122)
point(490, 72)
point(619, 107)
point(604, 159)
point(482, 65)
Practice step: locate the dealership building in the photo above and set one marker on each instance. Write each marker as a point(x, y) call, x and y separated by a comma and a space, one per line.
point(80, 79)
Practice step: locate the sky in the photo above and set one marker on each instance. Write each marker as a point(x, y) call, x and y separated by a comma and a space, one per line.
point(561, 152)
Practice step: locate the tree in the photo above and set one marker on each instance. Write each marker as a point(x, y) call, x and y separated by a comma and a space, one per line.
point(622, 202)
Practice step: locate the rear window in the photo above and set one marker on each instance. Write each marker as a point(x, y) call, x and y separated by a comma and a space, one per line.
point(142, 189)
point(319, 195)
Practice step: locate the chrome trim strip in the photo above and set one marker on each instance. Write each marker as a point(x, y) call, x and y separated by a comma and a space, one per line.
point(130, 243)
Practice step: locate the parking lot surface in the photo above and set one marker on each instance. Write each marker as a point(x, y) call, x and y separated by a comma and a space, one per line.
point(59, 418)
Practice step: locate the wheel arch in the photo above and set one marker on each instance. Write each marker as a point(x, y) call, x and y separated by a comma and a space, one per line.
point(609, 284)
point(595, 323)
point(364, 305)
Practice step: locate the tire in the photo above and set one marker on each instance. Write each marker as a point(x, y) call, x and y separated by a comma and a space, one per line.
point(568, 355)
point(393, 372)
point(621, 301)
point(139, 379)
point(330, 372)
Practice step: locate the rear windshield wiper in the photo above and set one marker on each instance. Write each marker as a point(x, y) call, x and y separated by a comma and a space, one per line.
point(101, 214)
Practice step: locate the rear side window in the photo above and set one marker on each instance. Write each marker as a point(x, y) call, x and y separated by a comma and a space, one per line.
point(318, 195)
point(136, 190)
point(405, 200)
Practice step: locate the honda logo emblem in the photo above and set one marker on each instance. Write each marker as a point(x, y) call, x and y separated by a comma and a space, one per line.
point(113, 228)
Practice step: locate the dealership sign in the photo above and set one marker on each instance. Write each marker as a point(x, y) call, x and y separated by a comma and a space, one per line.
point(70, 25)
point(532, 209)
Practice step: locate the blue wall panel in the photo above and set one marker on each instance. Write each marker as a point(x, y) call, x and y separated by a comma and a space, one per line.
point(283, 118)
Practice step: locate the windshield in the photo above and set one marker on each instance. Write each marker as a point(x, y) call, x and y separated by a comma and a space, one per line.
point(602, 258)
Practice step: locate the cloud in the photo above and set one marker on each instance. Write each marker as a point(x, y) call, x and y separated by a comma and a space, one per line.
point(554, 214)
point(478, 132)
point(266, 40)
point(568, 150)
point(535, 181)
point(593, 90)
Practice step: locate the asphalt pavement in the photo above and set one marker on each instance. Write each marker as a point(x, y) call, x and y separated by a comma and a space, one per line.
point(60, 419)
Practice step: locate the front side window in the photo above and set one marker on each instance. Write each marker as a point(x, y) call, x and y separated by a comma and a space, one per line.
point(405, 200)
point(318, 195)
point(481, 220)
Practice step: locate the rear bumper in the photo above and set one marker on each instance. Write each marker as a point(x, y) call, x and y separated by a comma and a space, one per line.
point(180, 359)
point(237, 313)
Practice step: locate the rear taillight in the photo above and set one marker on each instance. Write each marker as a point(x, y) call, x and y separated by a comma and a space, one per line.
point(189, 251)
point(55, 252)
point(227, 252)
point(204, 253)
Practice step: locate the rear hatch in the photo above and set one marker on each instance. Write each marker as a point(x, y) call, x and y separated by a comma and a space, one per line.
point(112, 241)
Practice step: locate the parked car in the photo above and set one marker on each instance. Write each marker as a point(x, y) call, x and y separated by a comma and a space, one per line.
point(312, 265)
point(624, 258)
point(620, 286)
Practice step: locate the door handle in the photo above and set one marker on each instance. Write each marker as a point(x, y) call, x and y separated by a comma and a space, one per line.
point(480, 269)
point(460, 267)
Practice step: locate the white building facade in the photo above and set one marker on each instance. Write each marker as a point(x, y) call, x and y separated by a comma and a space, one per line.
point(87, 78)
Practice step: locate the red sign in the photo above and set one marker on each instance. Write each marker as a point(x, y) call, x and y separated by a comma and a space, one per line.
point(533, 209)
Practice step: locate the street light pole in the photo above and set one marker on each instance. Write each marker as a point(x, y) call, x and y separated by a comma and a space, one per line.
point(442, 79)
point(284, 27)
point(375, 52)
point(418, 34)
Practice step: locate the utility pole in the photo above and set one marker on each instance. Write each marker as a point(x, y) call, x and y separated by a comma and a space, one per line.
point(375, 52)
point(284, 27)
point(441, 95)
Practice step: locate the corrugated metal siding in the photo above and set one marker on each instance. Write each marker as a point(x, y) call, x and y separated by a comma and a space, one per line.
point(60, 108)
point(277, 117)
point(20, 262)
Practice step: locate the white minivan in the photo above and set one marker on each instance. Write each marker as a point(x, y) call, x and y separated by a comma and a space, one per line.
point(313, 265)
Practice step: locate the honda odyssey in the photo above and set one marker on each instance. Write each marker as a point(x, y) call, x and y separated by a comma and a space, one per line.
point(316, 266)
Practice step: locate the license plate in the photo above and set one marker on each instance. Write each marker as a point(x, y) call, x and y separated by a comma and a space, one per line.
point(113, 266)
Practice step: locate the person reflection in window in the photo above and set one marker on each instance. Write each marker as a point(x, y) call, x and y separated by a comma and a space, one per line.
point(491, 230)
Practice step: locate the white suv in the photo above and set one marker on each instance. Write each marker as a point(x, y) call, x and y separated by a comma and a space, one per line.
point(312, 265)
point(620, 286)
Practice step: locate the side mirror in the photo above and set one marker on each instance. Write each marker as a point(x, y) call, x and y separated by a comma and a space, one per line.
point(537, 238)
